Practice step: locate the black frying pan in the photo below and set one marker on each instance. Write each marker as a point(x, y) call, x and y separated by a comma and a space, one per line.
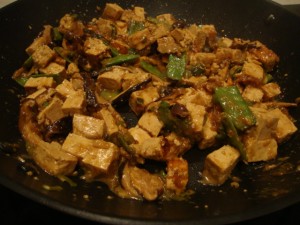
point(260, 192)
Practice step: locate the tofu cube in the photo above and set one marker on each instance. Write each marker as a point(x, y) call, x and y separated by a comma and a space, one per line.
point(52, 112)
point(95, 47)
point(252, 94)
point(253, 70)
point(39, 82)
point(197, 114)
point(96, 153)
point(285, 127)
point(112, 11)
point(88, 126)
point(177, 175)
point(271, 90)
point(53, 68)
point(65, 88)
point(139, 134)
point(140, 39)
point(150, 123)
point(139, 100)
point(111, 80)
point(109, 120)
point(151, 148)
point(219, 164)
point(42, 56)
point(74, 103)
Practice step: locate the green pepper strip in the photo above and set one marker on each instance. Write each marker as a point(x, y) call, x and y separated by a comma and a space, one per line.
point(135, 26)
point(152, 69)
point(56, 35)
point(119, 59)
point(235, 107)
point(28, 63)
point(176, 67)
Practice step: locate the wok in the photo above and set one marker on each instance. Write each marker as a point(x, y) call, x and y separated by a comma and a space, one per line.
point(260, 192)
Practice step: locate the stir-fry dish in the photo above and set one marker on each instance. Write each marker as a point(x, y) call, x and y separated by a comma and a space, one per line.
point(187, 87)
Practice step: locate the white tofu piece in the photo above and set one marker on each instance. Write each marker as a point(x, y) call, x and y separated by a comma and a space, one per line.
point(72, 68)
point(139, 134)
point(253, 70)
point(259, 141)
point(177, 175)
point(140, 99)
point(53, 68)
point(219, 164)
point(209, 134)
point(52, 112)
point(199, 97)
point(92, 152)
point(202, 58)
point(177, 145)
point(65, 88)
point(168, 45)
point(39, 82)
point(271, 90)
point(197, 114)
point(252, 94)
point(112, 11)
point(151, 148)
point(112, 79)
point(74, 103)
point(285, 127)
point(42, 56)
point(88, 126)
point(140, 13)
point(37, 93)
point(140, 39)
point(110, 122)
point(95, 47)
point(150, 122)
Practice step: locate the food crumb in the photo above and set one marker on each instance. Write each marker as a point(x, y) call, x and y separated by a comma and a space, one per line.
point(110, 197)
point(86, 197)
point(235, 184)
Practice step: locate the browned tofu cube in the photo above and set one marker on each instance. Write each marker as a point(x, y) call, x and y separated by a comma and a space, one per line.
point(74, 103)
point(253, 71)
point(42, 56)
point(139, 134)
point(95, 153)
point(140, 39)
point(177, 175)
point(285, 127)
point(110, 122)
point(112, 79)
point(52, 112)
point(150, 123)
point(219, 164)
point(53, 68)
point(95, 47)
point(271, 90)
point(88, 126)
point(112, 11)
point(151, 148)
point(39, 82)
